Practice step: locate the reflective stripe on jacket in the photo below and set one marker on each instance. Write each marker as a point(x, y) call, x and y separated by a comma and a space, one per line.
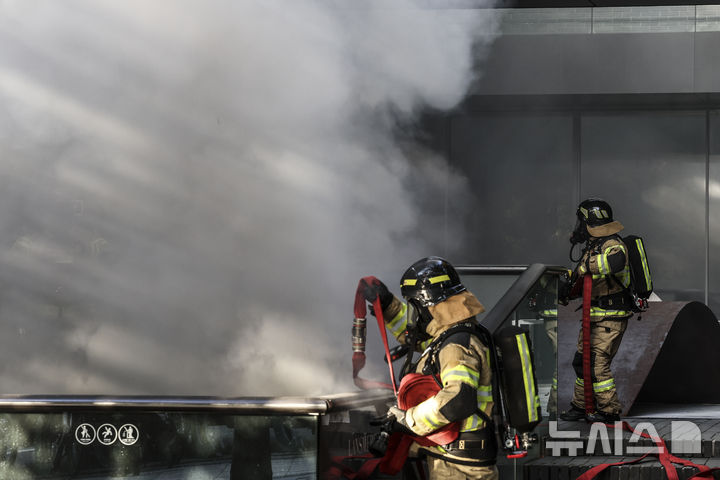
point(608, 264)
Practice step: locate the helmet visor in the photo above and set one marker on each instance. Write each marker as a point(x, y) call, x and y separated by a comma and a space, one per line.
point(413, 314)
point(418, 316)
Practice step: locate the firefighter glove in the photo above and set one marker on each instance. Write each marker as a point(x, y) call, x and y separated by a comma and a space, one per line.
point(583, 268)
point(397, 416)
point(374, 288)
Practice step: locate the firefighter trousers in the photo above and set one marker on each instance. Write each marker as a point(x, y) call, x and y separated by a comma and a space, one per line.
point(605, 338)
point(551, 330)
point(442, 469)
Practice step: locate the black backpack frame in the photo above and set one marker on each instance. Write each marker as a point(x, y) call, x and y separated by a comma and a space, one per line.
point(641, 286)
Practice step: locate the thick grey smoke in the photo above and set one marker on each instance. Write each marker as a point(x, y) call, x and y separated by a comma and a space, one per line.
point(191, 189)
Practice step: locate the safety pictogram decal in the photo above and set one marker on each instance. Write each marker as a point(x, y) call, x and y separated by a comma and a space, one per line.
point(107, 434)
point(128, 434)
point(85, 434)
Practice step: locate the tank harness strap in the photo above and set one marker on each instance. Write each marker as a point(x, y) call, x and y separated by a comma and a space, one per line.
point(614, 300)
point(477, 445)
point(431, 367)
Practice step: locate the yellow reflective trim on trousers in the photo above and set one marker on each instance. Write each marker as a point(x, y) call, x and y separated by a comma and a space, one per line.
point(409, 282)
point(603, 386)
point(398, 324)
point(551, 312)
point(461, 373)
point(438, 279)
point(646, 269)
point(528, 378)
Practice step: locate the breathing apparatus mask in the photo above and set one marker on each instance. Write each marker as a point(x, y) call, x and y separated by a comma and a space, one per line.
point(579, 235)
point(418, 318)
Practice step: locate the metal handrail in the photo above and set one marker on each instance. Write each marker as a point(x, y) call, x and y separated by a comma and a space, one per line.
point(240, 405)
point(491, 269)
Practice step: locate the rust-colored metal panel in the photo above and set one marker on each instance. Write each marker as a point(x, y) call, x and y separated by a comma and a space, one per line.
point(669, 356)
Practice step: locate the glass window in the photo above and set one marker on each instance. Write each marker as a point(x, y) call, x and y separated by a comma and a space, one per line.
point(650, 167)
point(101, 445)
point(714, 213)
point(487, 288)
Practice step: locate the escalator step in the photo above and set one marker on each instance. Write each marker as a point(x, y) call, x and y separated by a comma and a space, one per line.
point(569, 468)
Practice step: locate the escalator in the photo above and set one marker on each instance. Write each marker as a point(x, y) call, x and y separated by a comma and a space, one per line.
point(154, 438)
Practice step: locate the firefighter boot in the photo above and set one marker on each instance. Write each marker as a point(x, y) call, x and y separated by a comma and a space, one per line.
point(603, 417)
point(573, 415)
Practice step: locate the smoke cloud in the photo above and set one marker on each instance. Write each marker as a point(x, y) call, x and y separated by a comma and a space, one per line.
point(190, 190)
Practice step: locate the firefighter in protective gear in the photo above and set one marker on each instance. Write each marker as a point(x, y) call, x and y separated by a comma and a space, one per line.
point(543, 301)
point(436, 301)
point(605, 258)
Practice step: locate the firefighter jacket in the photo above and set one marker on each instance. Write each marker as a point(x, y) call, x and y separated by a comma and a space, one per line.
point(607, 260)
point(462, 363)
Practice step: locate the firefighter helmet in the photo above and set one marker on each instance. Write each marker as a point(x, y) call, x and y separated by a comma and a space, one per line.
point(595, 212)
point(597, 216)
point(430, 281)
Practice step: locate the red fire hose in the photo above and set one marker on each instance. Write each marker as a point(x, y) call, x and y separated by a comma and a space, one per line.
point(359, 333)
point(664, 456)
point(587, 369)
point(414, 389)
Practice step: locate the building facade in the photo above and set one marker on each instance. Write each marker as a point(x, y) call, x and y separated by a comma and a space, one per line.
point(622, 103)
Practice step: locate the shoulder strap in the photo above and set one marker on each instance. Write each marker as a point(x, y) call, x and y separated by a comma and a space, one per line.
point(442, 339)
point(431, 367)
